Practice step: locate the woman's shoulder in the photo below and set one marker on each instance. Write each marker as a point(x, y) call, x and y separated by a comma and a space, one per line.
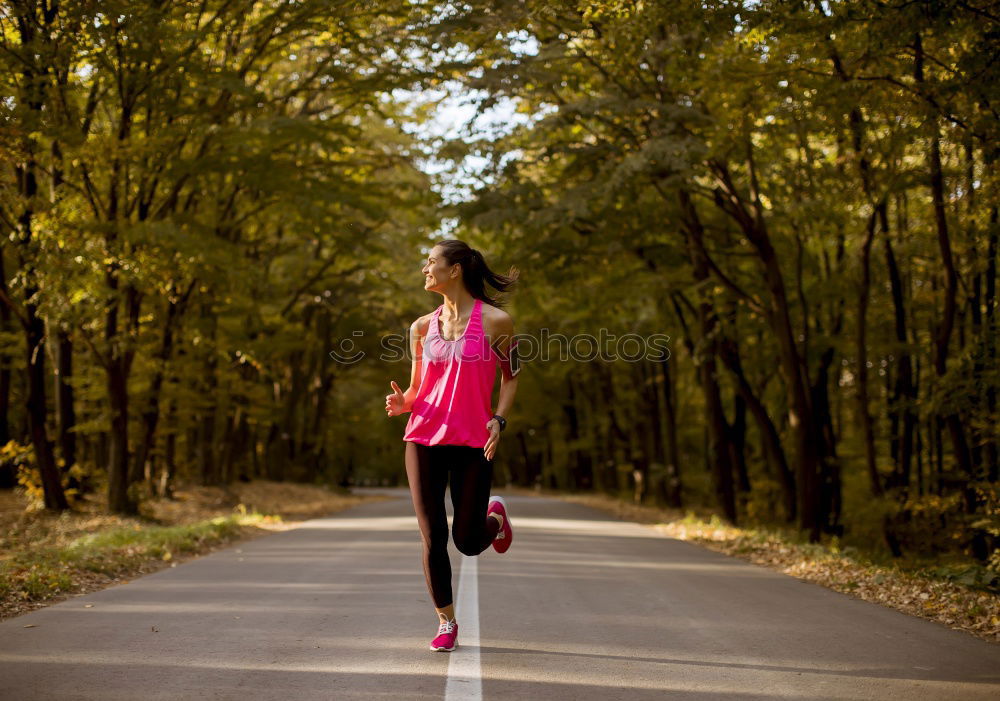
point(496, 320)
point(422, 323)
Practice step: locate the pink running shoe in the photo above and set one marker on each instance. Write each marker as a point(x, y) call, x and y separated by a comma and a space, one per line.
point(505, 534)
point(447, 638)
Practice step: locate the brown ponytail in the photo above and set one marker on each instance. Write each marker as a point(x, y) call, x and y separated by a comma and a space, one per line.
point(476, 274)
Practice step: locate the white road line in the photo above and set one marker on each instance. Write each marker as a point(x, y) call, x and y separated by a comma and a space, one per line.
point(464, 676)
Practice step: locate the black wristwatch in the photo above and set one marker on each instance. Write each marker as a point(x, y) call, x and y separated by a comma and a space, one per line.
point(502, 421)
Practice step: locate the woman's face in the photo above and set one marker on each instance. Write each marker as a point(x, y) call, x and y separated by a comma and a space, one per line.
point(436, 270)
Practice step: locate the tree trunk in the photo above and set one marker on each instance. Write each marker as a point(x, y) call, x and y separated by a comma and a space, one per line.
point(902, 401)
point(617, 438)
point(33, 28)
point(861, 371)
point(7, 477)
point(671, 485)
point(166, 478)
point(208, 465)
point(151, 413)
point(770, 440)
point(790, 361)
point(719, 453)
point(583, 476)
point(992, 332)
point(65, 411)
point(54, 497)
point(946, 324)
point(121, 499)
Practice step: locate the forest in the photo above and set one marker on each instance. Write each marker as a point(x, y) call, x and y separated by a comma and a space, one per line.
point(206, 202)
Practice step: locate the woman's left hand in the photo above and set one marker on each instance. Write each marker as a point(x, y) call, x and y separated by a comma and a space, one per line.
point(493, 426)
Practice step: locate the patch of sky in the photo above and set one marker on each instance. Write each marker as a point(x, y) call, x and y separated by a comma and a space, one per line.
point(453, 111)
point(457, 114)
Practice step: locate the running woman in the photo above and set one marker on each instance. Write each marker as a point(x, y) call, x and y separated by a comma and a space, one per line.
point(452, 433)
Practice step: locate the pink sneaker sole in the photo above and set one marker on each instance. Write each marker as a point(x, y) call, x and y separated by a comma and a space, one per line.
point(502, 542)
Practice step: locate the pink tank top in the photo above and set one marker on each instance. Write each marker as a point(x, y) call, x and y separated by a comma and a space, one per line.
point(453, 402)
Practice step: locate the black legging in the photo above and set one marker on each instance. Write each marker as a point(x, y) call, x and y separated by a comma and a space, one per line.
point(428, 469)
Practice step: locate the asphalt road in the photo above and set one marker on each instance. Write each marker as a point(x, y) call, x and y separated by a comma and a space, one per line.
point(581, 607)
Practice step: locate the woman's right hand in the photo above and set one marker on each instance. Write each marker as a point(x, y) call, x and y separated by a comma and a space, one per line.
point(395, 402)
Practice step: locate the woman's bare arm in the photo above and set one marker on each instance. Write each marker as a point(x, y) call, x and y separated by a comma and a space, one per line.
point(504, 345)
point(417, 331)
